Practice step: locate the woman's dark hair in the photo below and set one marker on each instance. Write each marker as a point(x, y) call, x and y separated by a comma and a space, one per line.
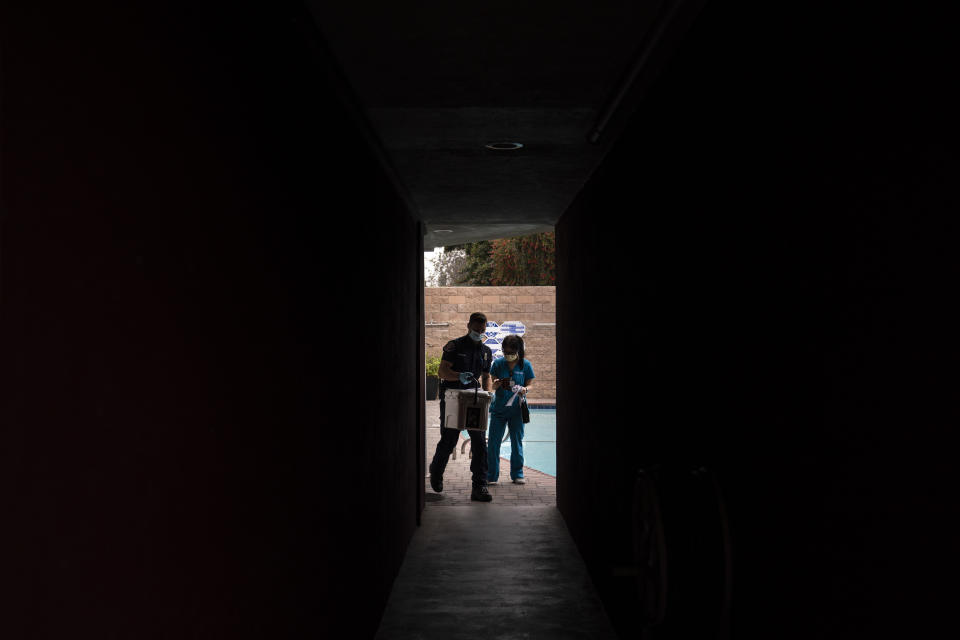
point(515, 342)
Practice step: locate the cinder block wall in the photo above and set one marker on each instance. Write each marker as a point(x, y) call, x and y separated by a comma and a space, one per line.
point(447, 310)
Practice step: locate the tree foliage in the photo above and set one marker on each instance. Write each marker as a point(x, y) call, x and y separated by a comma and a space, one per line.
point(448, 267)
point(478, 268)
point(522, 261)
point(527, 260)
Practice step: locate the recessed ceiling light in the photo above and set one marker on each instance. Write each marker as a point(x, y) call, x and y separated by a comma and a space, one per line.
point(504, 146)
point(443, 230)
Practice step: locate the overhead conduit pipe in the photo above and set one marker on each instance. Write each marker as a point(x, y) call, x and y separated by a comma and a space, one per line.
point(673, 19)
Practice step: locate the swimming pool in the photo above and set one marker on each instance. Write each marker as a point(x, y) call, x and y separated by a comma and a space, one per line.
point(539, 441)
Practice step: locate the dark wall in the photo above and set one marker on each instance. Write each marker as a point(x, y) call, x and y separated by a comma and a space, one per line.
point(782, 207)
point(195, 442)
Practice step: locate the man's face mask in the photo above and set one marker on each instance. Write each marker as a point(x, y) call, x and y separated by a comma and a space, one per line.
point(475, 336)
point(510, 357)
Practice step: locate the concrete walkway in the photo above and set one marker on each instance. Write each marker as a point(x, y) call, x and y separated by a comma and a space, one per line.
point(493, 573)
point(490, 571)
point(541, 489)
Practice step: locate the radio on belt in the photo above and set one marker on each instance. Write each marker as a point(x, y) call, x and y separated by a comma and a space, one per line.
point(467, 409)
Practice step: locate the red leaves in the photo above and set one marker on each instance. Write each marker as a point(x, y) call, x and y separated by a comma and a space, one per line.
point(528, 260)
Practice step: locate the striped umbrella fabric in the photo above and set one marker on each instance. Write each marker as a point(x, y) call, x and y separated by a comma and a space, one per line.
point(494, 344)
point(513, 327)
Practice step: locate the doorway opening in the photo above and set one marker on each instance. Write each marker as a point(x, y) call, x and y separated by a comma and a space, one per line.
point(512, 282)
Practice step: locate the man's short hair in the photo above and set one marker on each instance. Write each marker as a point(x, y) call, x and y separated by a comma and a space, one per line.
point(477, 316)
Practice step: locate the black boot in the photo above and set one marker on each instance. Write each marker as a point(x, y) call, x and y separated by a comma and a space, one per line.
point(436, 481)
point(480, 493)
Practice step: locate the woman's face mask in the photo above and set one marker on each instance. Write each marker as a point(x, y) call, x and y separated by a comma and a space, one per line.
point(510, 357)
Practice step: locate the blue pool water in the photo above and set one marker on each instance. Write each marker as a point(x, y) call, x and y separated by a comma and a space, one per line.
point(539, 441)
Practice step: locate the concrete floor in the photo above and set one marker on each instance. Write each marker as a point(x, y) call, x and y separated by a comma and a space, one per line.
point(493, 572)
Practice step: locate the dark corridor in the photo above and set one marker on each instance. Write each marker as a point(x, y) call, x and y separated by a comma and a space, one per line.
point(203, 438)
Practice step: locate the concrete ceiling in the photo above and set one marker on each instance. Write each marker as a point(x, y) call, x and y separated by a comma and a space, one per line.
point(438, 80)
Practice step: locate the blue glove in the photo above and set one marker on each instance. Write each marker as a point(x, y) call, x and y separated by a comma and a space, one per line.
point(466, 377)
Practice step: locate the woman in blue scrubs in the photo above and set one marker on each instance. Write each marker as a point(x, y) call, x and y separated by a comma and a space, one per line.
point(513, 376)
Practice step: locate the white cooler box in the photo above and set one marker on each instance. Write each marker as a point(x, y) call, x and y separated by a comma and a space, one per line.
point(467, 409)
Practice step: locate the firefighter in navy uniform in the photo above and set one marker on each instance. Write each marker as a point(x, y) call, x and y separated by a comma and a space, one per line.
point(464, 363)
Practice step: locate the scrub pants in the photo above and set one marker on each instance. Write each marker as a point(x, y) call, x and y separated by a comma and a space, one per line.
point(498, 422)
point(449, 438)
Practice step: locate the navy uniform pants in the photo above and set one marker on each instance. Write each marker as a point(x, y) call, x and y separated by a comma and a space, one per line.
point(449, 439)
